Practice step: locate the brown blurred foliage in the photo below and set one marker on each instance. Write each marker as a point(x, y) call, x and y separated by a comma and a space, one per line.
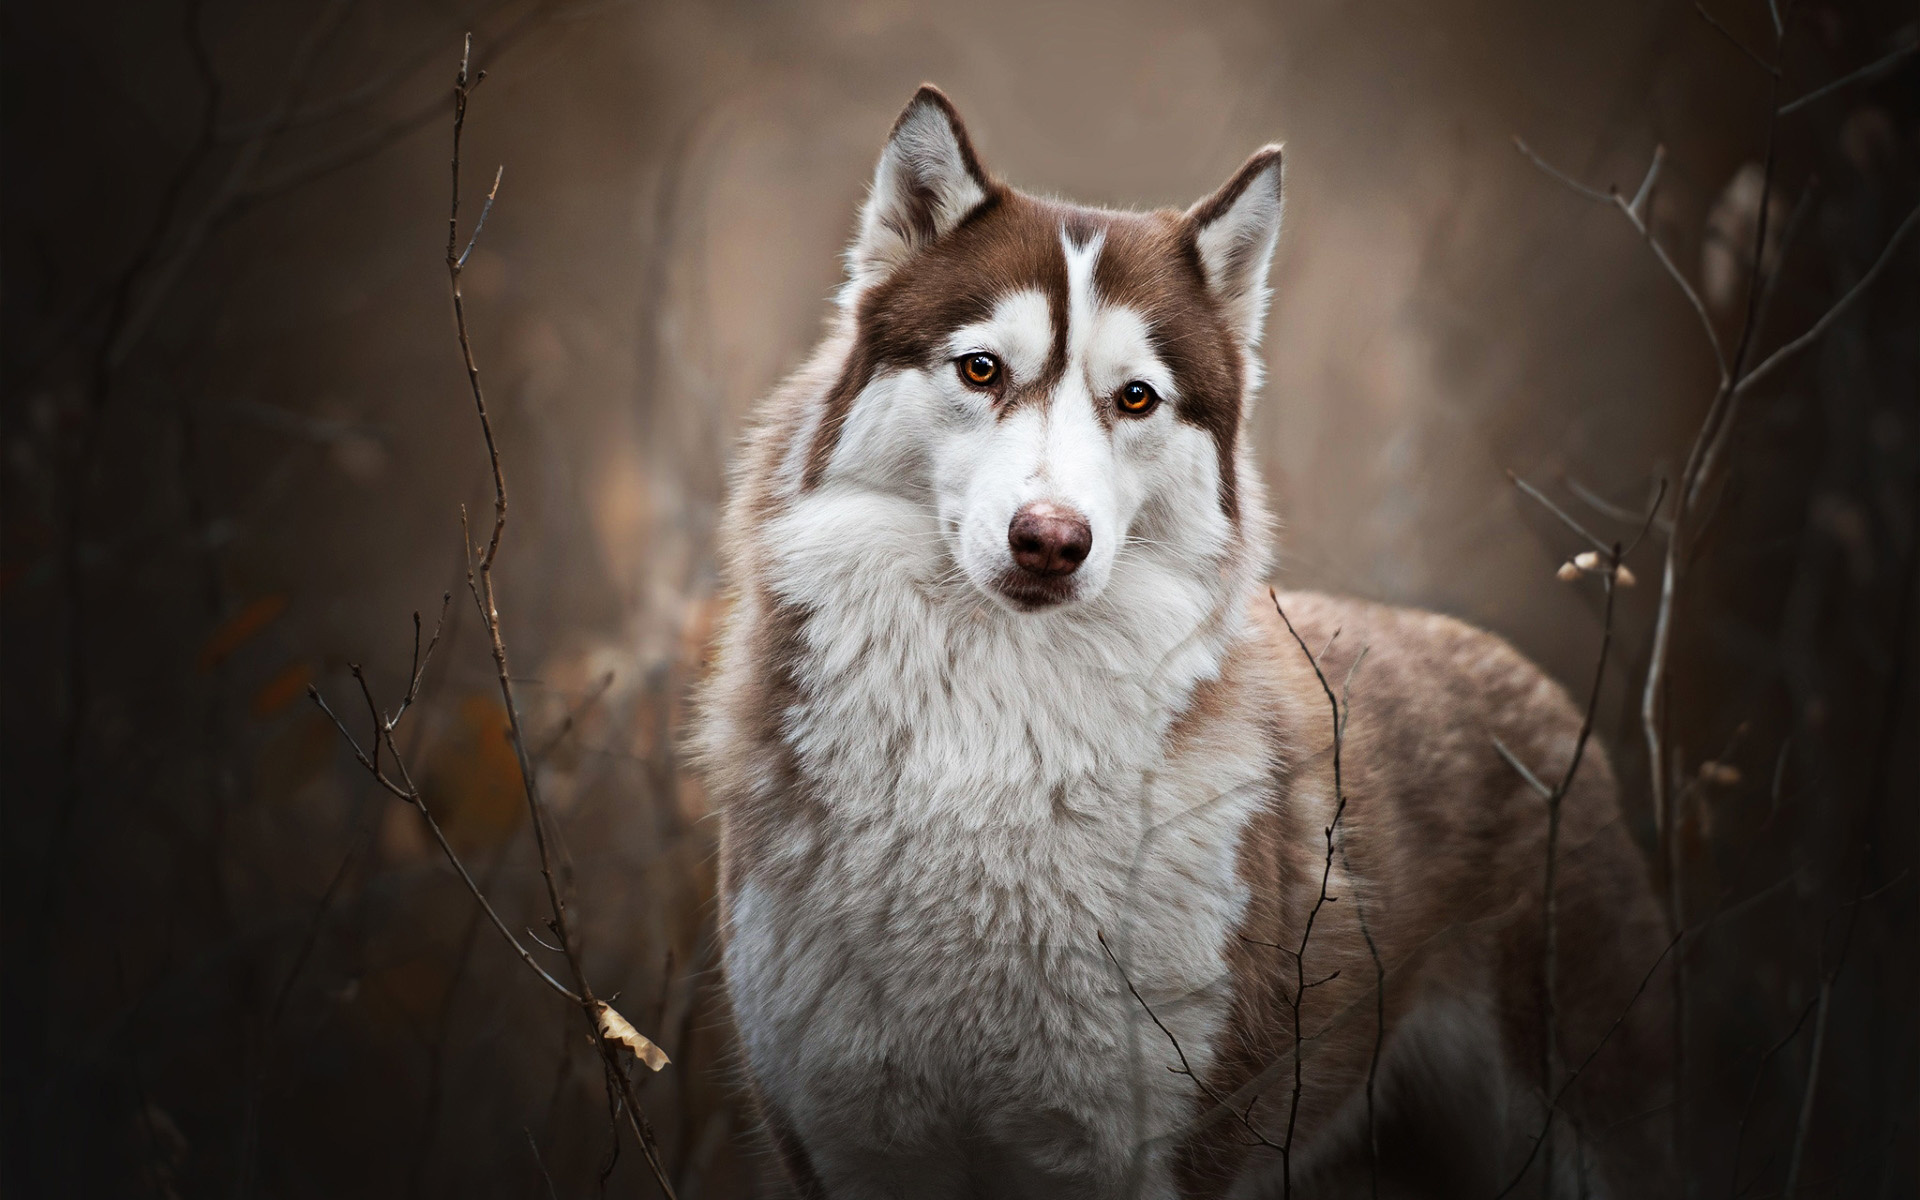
point(237, 440)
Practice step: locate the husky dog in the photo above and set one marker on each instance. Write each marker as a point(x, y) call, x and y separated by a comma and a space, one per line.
point(1035, 879)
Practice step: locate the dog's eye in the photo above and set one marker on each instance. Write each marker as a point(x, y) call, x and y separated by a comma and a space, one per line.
point(980, 370)
point(1136, 399)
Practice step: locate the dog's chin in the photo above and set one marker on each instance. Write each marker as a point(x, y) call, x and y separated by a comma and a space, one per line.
point(1024, 592)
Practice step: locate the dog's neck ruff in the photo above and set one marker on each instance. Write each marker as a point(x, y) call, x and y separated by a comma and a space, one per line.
point(917, 694)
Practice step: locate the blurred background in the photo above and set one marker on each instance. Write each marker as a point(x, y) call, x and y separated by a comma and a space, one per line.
point(237, 440)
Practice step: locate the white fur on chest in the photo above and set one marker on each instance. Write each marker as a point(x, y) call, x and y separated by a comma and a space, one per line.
point(931, 997)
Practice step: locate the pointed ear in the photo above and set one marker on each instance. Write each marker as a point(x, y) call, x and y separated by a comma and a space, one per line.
point(1234, 231)
point(927, 182)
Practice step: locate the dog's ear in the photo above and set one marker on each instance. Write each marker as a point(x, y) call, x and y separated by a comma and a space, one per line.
point(927, 182)
point(1234, 232)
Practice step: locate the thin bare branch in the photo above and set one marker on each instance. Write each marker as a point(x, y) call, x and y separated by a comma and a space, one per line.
point(1876, 67)
point(373, 141)
point(539, 1164)
point(1637, 214)
point(1320, 901)
point(485, 209)
point(1647, 522)
point(1805, 1121)
point(1566, 519)
point(1773, 361)
point(368, 89)
point(420, 659)
point(568, 722)
point(1605, 507)
point(1550, 954)
point(1643, 195)
point(1244, 1117)
point(1686, 289)
point(1553, 1105)
point(1724, 32)
point(480, 583)
point(313, 693)
point(1561, 177)
point(1533, 781)
point(1796, 220)
point(1753, 1090)
point(239, 171)
point(404, 789)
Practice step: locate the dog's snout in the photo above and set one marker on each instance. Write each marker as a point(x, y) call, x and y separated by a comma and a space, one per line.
point(1048, 539)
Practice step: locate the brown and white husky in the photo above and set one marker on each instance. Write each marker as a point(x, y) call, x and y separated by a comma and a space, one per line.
point(1025, 787)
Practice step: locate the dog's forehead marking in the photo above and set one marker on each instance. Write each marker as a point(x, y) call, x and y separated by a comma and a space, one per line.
point(1081, 258)
point(1145, 264)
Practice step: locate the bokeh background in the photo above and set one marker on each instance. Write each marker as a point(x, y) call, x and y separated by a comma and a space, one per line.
point(237, 441)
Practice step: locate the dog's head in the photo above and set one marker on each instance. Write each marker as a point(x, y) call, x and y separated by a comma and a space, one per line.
point(1054, 383)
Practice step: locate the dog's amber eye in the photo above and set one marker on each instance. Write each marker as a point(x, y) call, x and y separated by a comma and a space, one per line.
point(980, 370)
point(1136, 399)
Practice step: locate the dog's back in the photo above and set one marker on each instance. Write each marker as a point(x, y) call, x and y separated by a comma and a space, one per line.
point(1439, 861)
point(1033, 867)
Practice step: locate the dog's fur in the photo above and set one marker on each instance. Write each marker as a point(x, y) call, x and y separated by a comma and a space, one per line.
point(945, 782)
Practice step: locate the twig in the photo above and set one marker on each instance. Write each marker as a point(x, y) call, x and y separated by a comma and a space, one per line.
point(567, 722)
point(1753, 1090)
point(1724, 32)
point(485, 209)
point(359, 149)
point(1715, 427)
point(231, 184)
point(1795, 221)
point(1525, 772)
point(480, 583)
point(1636, 213)
point(538, 1163)
point(1566, 519)
point(1553, 1104)
point(420, 660)
point(1712, 435)
point(1559, 176)
point(1772, 362)
point(1320, 901)
point(404, 790)
point(359, 94)
point(1606, 507)
point(1379, 967)
point(1820, 1004)
point(1850, 78)
point(1555, 795)
point(1185, 1068)
point(1805, 1121)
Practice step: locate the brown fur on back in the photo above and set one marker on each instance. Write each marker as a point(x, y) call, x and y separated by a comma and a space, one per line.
point(1441, 852)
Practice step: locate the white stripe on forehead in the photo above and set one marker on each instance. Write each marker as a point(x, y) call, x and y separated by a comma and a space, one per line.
point(1107, 344)
point(1080, 312)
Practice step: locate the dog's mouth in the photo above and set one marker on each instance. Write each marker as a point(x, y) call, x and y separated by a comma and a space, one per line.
point(1026, 591)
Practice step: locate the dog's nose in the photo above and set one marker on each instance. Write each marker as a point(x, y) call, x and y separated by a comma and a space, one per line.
point(1048, 539)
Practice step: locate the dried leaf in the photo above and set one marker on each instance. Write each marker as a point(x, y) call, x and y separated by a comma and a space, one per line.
point(1587, 560)
point(616, 1028)
point(1624, 577)
point(1567, 573)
